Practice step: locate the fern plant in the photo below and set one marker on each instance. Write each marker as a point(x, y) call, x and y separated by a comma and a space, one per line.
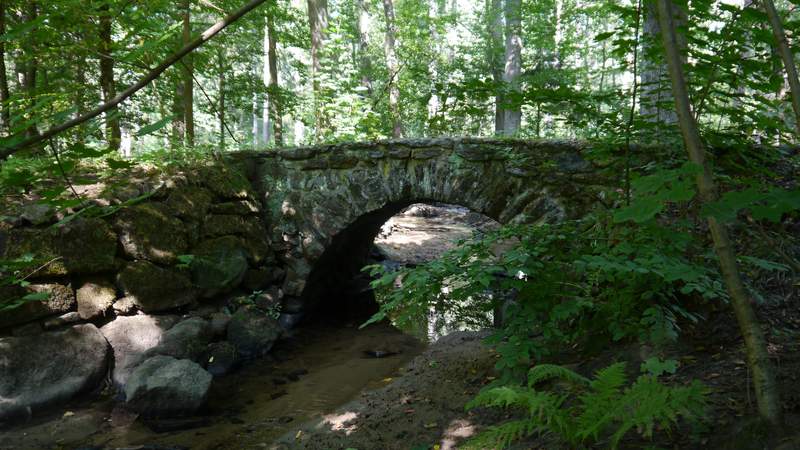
point(581, 411)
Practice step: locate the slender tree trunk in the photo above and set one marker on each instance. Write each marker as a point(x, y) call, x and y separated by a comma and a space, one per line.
point(788, 58)
point(494, 24)
point(365, 65)
point(5, 93)
point(275, 109)
point(318, 22)
point(107, 84)
point(766, 388)
point(188, 76)
point(221, 88)
point(513, 66)
point(393, 68)
point(178, 115)
point(30, 69)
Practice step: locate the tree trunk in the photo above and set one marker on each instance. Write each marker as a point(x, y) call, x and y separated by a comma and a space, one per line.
point(107, 84)
point(188, 76)
point(365, 65)
point(513, 66)
point(221, 88)
point(655, 100)
point(393, 68)
point(178, 115)
point(494, 24)
point(318, 22)
point(787, 57)
point(275, 109)
point(5, 93)
point(30, 69)
point(766, 389)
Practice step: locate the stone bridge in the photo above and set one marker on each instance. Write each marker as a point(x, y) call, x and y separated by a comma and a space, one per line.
point(325, 205)
point(184, 276)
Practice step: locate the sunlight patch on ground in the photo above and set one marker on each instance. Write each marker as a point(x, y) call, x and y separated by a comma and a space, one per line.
point(457, 431)
point(341, 422)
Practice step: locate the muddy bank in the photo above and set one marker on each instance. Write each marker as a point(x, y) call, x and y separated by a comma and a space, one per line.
point(422, 408)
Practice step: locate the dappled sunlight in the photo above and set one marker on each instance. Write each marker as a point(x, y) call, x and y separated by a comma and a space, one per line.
point(342, 422)
point(457, 431)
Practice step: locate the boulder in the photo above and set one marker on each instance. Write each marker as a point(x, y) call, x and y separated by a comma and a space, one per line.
point(222, 357)
point(37, 213)
point(252, 332)
point(131, 337)
point(187, 339)
point(287, 321)
point(50, 368)
point(225, 182)
point(94, 298)
point(240, 208)
point(269, 300)
point(149, 231)
point(293, 305)
point(250, 228)
point(60, 321)
point(163, 386)
point(256, 279)
point(219, 323)
point(60, 299)
point(219, 265)
point(83, 246)
point(153, 288)
point(189, 202)
point(124, 306)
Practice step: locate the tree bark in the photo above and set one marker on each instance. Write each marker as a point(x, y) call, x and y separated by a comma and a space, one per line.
point(318, 22)
point(107, 83)
point(208, 34)
point(393, 68)
point(787, 57)
point(655, 100)
point(365, 65)
point(30, 69)
point(494, 24)
point(178, 115)
point(275, 109)
point(513, 66)
point(221, 89)
point(5, 93)
point(188, 77)
point(765, 386)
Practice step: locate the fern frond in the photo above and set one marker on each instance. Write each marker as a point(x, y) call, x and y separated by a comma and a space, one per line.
point(544, 372)
point(503, 397)
point(501, 436)
point(608, 381)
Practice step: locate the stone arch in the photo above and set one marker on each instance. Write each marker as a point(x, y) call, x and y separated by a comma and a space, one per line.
point(329, 202)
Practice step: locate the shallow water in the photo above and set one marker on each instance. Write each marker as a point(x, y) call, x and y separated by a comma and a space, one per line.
point(247, 409)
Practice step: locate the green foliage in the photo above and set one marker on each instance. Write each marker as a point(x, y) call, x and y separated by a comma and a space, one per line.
point(581, 282)
point(581, 411)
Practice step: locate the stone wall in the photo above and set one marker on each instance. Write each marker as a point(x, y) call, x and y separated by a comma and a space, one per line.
point(124, 294)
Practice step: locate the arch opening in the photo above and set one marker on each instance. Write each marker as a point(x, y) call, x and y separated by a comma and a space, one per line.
point(399, 234)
